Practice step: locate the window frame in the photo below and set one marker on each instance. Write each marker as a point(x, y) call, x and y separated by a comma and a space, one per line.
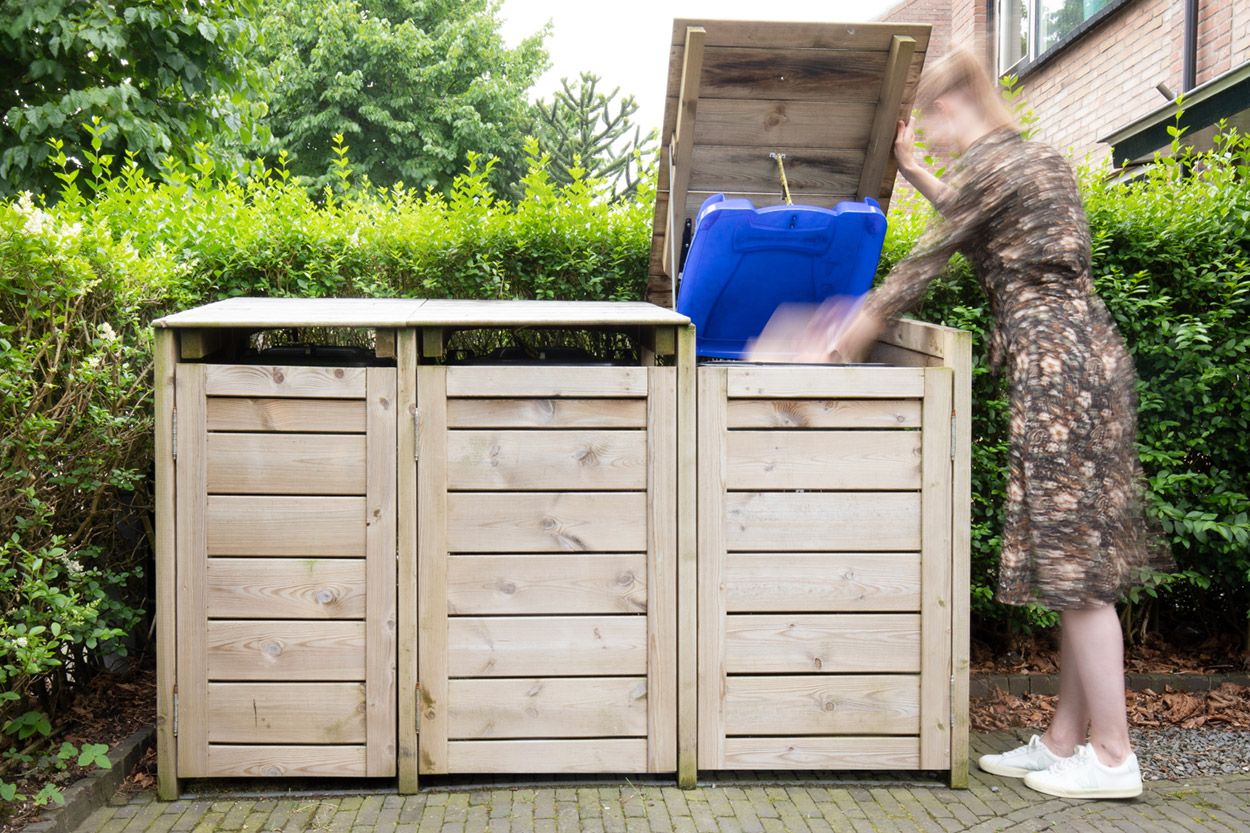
point(1031, 62)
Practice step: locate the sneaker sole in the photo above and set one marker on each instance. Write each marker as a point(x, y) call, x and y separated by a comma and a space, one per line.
point(1003, 770)
point(1058, 792)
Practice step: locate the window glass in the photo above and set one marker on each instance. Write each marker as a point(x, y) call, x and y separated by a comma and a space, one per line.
point(1056, 18)
point(1013, 33)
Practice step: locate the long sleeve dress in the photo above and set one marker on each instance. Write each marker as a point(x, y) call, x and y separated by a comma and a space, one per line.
point(1075, 533)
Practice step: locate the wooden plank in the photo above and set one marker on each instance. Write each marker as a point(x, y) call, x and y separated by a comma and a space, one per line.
point(271, 380)
point(788, 35)
point(712, 416)
point(406, 490)
point(813, 74)
point(281, 651)
point(535, 460)
point(822, 582)
point(165, 546)
point(764, 122)
point(823, 753)
point(747, 169)
point(957, 350)
point(900, 356)
point(682, 137)
point(322, 416)
point(885, 704)
point(286, 526)
point(546, 584)
point(546, 381)
point(920, 336)
point(823, 460)
point(277, 464)
point(192, 545)
point(661, 570)
point(548, 707)
point(250, 761)
point(431, 552)
point(824, 413)
point(460, 313)
point(380, 554)
point(546, 521)
point(278, 313)
point(884, 124)
point(687, 562)
point(825, 382)
point(822, 643)
point(286, 588)
point(286, 713)
point(384, 343)
point(935, 565)
point(546, 413)
point(548, 756)
point(822, 521)
point(546, 646)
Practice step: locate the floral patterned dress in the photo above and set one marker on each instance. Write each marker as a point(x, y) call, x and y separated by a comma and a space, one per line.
point(1075, 533)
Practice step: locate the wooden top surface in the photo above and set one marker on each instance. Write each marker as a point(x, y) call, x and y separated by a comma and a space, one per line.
point(811, 91)
point(261, 313)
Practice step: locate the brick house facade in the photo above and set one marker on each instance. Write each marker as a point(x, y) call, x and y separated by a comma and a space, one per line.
point(1102, 74)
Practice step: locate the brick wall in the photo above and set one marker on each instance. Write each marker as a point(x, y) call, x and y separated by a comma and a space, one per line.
point(937, 13)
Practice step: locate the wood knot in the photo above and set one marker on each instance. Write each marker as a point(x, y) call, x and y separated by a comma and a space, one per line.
point(277, 376)
point(324, 596)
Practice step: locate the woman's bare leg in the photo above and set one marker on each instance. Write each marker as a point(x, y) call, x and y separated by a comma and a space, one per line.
point(1097, 645)
point(1070, 724)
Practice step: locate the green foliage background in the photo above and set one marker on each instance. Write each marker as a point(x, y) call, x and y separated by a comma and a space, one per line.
point(81, 277)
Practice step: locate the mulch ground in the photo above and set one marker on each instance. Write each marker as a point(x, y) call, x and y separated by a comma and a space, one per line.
point(113, 707)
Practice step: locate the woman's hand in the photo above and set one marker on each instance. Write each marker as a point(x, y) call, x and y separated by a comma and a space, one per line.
point(905, 148)
point(855, 340)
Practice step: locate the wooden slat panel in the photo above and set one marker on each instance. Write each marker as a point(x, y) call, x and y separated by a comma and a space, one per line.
point(286, 713)
point(834, 705)
point(193, 547)
point(661, 569)
point(286, 526)
point(546, 584)
point(380, 552)
point(824, 413)
point(935, 565)
point(712, 565)
point(278, 464)
point(550, 707)
point(829, 753)
point(431, 557)
point(502, 646)
point(518, 460)
point(546, 522)
point(815, 643)
point(791, 35)
point(546, 381)
point(823, 460)
point(785, 582)
point(731, 169)
point(763, 382)
point(279, 651)
point(285, 761)
point(286, 588)
point(546, 413)
point(548, 756)
point(165, 551)
point(822, 520)
point(269, 380)
point(406, 569)
point(329, 416)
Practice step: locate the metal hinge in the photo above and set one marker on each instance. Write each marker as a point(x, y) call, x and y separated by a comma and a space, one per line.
point(173, 443)
point(416, 432)
point(175, 714)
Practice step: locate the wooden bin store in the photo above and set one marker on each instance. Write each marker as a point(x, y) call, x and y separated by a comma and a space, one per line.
point(482, 556)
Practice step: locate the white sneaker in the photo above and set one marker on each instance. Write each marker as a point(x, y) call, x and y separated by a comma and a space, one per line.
point(1084, 776)
point(1019, 762)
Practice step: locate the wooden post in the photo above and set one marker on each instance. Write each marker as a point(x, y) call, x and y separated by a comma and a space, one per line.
point(711, 513)
point(380, 590)
point(681, 149)
point(957, 353)
point(662, 598)
point(406, 429)
point(687, 565)
point(935, 567)
point(432, 566)
point(166, 355)
point(881, 139)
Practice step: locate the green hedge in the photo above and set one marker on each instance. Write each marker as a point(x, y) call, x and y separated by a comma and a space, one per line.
point(81, 278)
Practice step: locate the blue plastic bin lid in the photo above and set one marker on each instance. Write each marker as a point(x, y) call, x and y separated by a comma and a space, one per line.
point(745, 261)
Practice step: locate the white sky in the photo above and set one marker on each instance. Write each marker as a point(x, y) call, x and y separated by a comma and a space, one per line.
point(626, 42)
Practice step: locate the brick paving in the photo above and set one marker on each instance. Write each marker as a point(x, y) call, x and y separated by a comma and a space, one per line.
point(726, 803)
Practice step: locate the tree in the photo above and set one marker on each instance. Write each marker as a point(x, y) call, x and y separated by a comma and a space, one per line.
point(583, 126)
point(414, 85)
point(162, 74)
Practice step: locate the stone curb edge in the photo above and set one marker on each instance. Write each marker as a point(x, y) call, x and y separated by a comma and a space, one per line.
point(88, 794)
point(981, 685)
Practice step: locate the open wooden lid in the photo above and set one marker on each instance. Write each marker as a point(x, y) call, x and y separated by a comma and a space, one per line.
point(826, 95)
